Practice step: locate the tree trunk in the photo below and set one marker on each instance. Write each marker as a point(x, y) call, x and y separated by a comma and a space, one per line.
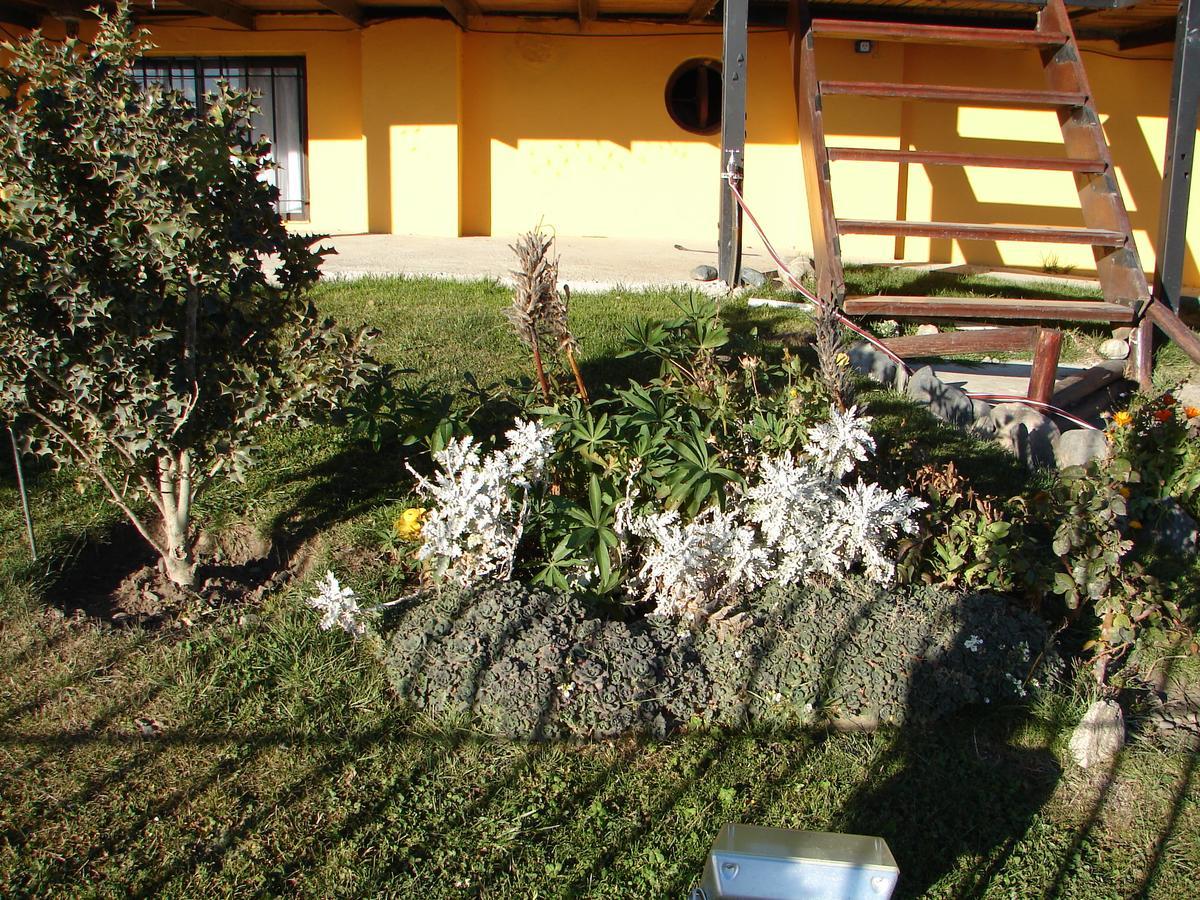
point(174, 483)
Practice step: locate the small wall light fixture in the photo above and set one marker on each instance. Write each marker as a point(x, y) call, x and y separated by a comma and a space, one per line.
point(862, 46)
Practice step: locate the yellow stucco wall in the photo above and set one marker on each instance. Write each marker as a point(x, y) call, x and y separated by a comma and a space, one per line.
point(412, 114)
point(416, 127)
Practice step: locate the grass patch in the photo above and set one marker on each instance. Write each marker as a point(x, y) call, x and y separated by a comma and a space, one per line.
point(284, 767)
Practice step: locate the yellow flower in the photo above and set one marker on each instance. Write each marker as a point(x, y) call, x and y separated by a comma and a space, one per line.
point(793, 393)
point(1122, 418)
point(1135, 524)
point(842, 360)
point(408, 526)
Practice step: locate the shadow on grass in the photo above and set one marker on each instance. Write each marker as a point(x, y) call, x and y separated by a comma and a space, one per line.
point(955, 801)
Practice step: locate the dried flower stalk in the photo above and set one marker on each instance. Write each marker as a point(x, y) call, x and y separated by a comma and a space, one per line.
point(539, 310)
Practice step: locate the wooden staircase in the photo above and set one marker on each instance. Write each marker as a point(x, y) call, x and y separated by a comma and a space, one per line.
point(1106, 221)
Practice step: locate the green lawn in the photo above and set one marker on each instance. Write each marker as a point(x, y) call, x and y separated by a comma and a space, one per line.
point(284, 767)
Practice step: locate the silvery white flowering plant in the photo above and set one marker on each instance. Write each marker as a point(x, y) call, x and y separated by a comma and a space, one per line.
point(797, 520)
point(478, 504)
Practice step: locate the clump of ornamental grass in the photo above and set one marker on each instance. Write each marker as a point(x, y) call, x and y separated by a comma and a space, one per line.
point(539, 309)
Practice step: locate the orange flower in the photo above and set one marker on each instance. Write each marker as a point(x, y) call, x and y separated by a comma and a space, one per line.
point(1122, 418)
point(1191, 412)
point(1135, 524)
point(1164, 415)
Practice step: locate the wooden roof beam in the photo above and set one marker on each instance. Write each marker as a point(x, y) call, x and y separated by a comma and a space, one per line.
point(588, 10)
point(347, 9)
point(700, 10)
point(458, 12)
point(225, 11)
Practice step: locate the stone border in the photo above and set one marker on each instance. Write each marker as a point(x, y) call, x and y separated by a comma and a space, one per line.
point(1031, 436)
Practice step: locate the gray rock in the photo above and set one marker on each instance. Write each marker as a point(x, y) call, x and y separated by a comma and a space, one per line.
point(928, 329)
point(1173, 528)
point(945, 401)
point(752, 278)
point(1189, 394)
point(983, 426)
point(1037, 448)
point(1114, 349)
point(704, 273)
point(1100, 735)
point(1079, 447)
point(802, 266)
point(874, 363)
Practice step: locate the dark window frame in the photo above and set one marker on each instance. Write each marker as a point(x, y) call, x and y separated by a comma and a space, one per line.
point(195, 67)
point(687, 67)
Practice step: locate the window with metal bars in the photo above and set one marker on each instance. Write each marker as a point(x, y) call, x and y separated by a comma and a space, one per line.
point(280, 93)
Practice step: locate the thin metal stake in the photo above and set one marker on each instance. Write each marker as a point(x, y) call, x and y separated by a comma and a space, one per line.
point(12, 436)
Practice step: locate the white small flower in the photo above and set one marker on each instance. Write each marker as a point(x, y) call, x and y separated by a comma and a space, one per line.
point(973, 643)
point(338, 607)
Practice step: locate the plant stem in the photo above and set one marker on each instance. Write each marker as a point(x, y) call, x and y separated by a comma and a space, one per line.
point(541, 371)
point(583, 393)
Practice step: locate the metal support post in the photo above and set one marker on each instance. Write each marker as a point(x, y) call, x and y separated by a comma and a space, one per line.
point(733, 139)
point(1177, 167)
point(12, 436)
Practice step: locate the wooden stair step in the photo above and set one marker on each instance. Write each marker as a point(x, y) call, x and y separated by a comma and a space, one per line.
point(1074, 388)
point(1013, 337)
point(903, 32)
point(988, 308)
point(946, 93)
point(928, 158)
point(1096, 237)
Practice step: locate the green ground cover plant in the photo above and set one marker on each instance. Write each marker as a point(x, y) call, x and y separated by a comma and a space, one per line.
point(239, 749)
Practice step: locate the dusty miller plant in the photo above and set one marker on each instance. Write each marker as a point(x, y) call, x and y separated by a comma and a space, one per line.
point(140, 337)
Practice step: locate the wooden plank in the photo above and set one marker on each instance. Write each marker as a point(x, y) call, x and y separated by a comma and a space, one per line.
point(1073, 388)
point(225, 11)
point(734, 49)
point(1166, 319)
point(908, 33)
point(1118, 269)
point(1141, 354)
point(988, 308)
point(1046, 351)
point(827, 250)
point(927, 158)
point(971, 231)
point(458, 12)
point(700, 10)
point(1019, 337)
point(347, 9)
point(947, 93)
point(588, 10)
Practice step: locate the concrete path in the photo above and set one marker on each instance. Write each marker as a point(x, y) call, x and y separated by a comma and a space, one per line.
point(587, 264)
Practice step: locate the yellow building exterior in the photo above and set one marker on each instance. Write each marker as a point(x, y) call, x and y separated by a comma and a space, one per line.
point(417, 127)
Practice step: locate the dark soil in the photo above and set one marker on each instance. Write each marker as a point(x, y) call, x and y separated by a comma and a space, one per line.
point(116, 578)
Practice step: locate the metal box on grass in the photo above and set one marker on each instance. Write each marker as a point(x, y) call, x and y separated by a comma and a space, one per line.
point(748, 862)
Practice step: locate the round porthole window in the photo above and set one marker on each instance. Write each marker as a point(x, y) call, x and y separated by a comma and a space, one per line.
point(694, 96)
